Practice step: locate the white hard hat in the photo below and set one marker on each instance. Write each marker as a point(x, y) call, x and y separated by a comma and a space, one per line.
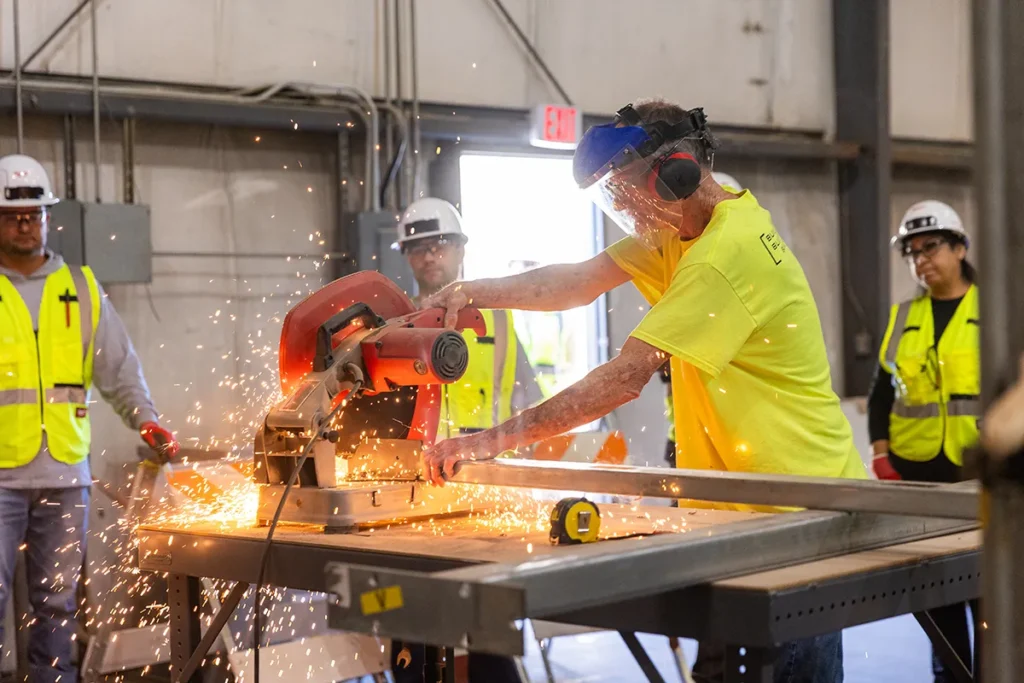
point(726, 180)
point(929, 216)
point(429, 217)
point(25, 183)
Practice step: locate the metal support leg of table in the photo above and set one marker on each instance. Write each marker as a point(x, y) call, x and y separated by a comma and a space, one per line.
point(438, 664)
point(22, 616)
point(979, 639)
point(749, 664)
point(220, 619)
point(449, 665)
point(641, 657)
point(545, 657)
point(183, 593)
point(682, 668)
point(950, 659)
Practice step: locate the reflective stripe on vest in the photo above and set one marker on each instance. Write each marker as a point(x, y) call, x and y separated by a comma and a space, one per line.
point(66, 395)
point(937, 406)
point(11, 397)
point(964, 407)
point(483, 397)
point(956, 407)
point(46, 369)
point(901, 409)
point(85, 323)
point(901, 322)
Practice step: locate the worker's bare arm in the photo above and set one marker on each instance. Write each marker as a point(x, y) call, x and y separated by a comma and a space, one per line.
point(550, 288)
point(603, 390)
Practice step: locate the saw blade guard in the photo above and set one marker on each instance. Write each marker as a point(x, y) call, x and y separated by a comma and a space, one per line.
point(301, 325)
point(405, 355)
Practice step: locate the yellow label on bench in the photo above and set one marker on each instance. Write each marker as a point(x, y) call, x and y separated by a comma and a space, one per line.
point(381, 600)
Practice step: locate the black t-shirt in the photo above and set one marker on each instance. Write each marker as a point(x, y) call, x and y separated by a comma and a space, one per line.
point(942, 313)
point(883, 394)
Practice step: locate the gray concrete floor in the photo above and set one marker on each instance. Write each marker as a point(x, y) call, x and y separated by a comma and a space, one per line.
point(891, 651)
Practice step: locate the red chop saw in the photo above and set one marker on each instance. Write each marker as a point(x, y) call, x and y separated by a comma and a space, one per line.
point(366, 468)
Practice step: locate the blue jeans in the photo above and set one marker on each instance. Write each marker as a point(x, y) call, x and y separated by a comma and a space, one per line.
point(52, 525)
point(812, 660)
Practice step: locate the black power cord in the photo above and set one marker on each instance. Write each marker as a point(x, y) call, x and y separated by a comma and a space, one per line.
point(355, 374)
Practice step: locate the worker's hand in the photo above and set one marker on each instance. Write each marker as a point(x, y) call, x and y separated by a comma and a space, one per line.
point(884, 469)
point(452, 299)
point(160, 440)
point(1002, 429)
point(441, 461)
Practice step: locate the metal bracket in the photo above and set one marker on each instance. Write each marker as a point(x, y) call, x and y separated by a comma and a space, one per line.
point(423, 608)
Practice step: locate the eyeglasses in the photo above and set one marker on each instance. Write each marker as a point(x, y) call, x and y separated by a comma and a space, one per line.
point(928, 249)
point(13, 220)
point(433, 248)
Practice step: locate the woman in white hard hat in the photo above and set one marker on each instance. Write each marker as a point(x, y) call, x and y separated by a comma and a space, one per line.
point(924, 405)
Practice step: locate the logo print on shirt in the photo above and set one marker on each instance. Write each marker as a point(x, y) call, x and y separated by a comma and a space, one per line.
point(774, 245)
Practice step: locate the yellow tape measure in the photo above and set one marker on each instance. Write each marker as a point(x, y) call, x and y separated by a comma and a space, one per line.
point(574, 520)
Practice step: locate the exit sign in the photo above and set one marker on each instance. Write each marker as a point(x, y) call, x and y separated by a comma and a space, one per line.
point(555, 127)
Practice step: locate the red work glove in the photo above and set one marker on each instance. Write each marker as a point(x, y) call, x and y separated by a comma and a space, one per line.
point(884, 469)
point(160, 440)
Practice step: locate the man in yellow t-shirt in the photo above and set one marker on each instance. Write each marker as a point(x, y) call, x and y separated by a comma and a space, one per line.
point(731, 309)
point(750, 377)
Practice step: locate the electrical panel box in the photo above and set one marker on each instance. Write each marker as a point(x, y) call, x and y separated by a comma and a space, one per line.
point(65, 236)
point(376, 231)
point(115, 240)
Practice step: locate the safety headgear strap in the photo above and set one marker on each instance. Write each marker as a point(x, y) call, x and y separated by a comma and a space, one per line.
point(660, 132)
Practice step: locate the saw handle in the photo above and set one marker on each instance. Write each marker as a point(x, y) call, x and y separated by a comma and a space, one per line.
point(469, 319)
point(324, 356)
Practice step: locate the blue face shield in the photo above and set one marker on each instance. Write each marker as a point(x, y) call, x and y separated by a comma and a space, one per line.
point(607, 148)
point(613, 164)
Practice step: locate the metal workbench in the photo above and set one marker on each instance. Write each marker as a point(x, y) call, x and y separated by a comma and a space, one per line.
point(453, 591)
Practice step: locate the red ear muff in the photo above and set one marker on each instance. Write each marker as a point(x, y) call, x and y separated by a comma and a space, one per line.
point(675, 177)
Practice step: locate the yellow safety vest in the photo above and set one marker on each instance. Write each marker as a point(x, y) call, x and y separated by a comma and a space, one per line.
point(543, 346)
point(483, 397)
point(45, 376)
point(938, 388)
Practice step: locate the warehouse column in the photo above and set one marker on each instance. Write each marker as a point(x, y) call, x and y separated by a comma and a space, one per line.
point(999, 183)
point(860, 33)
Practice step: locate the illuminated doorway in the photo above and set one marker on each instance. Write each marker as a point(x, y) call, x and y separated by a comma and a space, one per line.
point(521, 212)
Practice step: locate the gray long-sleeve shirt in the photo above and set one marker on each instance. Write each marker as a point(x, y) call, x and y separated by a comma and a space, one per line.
point(117, 374)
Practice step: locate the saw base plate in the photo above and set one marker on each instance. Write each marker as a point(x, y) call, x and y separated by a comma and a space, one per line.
point(354, 504)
